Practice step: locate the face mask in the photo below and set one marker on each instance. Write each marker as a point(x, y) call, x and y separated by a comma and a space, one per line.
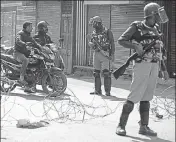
point(97, 25)
point(46, 30)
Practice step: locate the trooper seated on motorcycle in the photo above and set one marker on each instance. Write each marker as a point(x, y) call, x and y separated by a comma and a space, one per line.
point(45, 40)
point(21, 50)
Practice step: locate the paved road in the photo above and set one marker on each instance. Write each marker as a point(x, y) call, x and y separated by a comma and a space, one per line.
point(86, 113)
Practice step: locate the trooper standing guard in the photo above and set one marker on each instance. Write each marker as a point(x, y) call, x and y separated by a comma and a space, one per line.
point(102, 42)
point(145, 69)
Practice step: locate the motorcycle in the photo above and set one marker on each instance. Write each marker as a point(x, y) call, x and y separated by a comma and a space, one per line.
point(40, 71)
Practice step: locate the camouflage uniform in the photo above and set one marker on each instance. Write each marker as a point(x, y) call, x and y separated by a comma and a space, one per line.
point(104, 38)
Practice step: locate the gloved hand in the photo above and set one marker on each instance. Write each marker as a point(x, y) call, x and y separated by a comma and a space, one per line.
point(139, 49)
point(40, 47)
point(36, 50)
point(158, 44)
point(91, 44)
point(32, 52)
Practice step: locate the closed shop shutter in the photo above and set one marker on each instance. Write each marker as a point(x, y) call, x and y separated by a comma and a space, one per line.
point(81, 28)
point(13, 17)
point(121, 17)
point(50, 11)
point(172, 51)
point(97, 10)
point(8, 25)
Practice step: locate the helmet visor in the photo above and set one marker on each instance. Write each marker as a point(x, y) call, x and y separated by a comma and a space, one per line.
point(162, 15)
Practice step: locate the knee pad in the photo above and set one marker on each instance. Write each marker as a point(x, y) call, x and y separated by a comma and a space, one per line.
point(128, 107)
point(96, 73)
point(106, 73)
point(144, 106)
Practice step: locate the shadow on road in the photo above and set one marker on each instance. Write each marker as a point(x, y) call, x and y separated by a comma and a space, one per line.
point(119, 83)
point(111, 98)
point(125, 82)
point(39, 96)
point(152, 139)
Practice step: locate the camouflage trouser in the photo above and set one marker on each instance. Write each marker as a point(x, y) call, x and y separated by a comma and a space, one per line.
point(100, 62)
point(144, 81)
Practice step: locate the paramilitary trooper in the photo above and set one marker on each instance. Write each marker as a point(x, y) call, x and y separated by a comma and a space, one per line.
point(145, 70)
point(102, 41)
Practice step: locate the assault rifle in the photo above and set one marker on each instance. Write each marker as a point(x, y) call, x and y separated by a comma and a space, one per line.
point(120, 71)
point(104, 53)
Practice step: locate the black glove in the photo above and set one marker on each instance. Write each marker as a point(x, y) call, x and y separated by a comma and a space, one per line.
point(36, 50)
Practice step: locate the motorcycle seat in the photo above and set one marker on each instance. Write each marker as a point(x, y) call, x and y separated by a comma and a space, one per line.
point(9, 58)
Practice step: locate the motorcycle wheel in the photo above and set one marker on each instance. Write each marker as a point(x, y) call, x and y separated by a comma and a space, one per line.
point(6, 84)
point(59, 83)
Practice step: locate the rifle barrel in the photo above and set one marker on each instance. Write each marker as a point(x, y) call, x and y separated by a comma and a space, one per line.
point(118, 72)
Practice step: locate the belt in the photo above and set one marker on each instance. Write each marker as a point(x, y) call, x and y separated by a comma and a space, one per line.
point(146, 60)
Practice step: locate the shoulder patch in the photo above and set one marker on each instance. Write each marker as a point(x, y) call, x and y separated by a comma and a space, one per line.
point(20, 32)
point(137, 23)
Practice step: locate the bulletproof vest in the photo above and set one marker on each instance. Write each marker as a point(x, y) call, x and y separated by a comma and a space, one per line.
point(102, 39)
point(145, 36)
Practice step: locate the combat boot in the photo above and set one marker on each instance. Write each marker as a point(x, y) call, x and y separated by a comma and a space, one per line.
point(144, 114)
point(121, 131)
point(145, 130)
point(97, 84)
point(127, 108)
point(107, 83)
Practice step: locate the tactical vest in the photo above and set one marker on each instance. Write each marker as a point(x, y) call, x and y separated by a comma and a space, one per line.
point(145, 36)
point(102, 39)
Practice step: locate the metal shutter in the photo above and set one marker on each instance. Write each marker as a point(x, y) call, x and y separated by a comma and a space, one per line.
point(8, 26)
point(81, 27)
point(97, 10)
point(121, 17)
point(12, 20)
point(172, 51)
point(50, 11)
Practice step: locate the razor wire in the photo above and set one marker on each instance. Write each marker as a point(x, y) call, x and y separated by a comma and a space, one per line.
point(68, 107)
point(164, 107)
point(71, 108)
